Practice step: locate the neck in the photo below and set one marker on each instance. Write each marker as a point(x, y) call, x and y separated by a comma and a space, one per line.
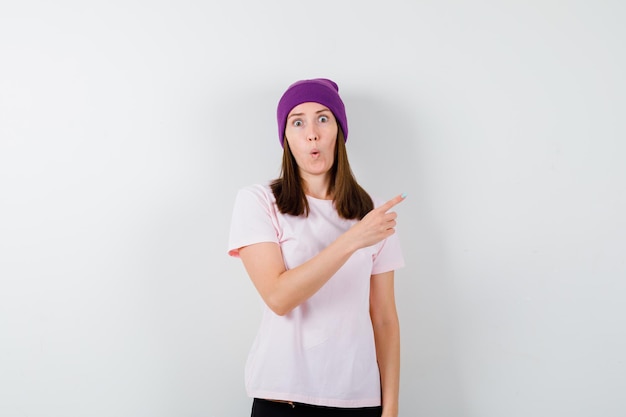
point(317, 187)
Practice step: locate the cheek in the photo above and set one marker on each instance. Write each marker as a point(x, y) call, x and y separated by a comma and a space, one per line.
point(332, 143)
point(290, 131)
point(333, 132)
point(295, 146)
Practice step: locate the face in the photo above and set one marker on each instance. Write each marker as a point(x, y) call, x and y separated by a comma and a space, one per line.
point(311, 131)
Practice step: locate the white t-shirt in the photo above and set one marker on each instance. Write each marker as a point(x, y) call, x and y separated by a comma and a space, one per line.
point(322, 352)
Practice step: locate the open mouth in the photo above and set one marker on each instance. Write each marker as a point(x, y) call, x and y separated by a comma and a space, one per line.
point(315, 152)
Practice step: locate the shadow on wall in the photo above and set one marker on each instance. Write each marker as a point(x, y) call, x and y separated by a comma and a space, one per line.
point(389, 153)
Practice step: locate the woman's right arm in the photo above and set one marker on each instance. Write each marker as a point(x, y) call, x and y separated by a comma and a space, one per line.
point(283, 290)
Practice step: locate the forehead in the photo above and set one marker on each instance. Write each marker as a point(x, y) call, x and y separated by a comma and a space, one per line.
point(309, 107)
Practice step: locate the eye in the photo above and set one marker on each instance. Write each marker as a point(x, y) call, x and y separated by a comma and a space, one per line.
point(323, 119)
point(297, 123)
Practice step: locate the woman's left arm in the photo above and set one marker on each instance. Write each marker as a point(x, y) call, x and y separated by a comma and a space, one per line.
point(387, 338)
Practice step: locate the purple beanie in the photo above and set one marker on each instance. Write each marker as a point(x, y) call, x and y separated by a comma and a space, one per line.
point(318, 90)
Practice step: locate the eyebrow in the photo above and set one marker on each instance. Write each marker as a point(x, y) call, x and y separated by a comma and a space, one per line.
point(302, 114)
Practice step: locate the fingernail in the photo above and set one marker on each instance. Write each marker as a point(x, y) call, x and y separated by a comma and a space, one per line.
point(403, 195)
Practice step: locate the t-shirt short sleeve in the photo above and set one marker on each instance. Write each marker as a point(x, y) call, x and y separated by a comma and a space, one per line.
point(253, 219)
point(389, 256)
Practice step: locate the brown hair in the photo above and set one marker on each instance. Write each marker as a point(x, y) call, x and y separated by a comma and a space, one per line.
point(350, 199)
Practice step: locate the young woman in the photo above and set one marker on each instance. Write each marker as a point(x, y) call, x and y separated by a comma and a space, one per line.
point(322, 259)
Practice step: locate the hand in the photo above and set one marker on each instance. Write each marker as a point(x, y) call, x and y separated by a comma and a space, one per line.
point(377, 225)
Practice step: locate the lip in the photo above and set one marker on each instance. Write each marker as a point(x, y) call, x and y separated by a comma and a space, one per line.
point(314, 153)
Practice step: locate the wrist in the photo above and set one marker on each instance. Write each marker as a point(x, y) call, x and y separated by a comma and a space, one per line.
point(347, 244)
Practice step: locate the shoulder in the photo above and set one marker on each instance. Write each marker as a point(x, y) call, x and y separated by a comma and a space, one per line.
point(253, 218)
point(261, 192)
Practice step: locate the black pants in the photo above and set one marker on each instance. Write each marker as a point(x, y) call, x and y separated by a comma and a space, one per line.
point(265, 408)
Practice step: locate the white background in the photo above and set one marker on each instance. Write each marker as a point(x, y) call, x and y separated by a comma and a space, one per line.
point(126, 128)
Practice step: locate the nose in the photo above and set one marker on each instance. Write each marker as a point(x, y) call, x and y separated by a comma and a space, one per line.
point(312, 134)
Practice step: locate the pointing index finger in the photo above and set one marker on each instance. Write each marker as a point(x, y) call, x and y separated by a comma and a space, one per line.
point(389, 204)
